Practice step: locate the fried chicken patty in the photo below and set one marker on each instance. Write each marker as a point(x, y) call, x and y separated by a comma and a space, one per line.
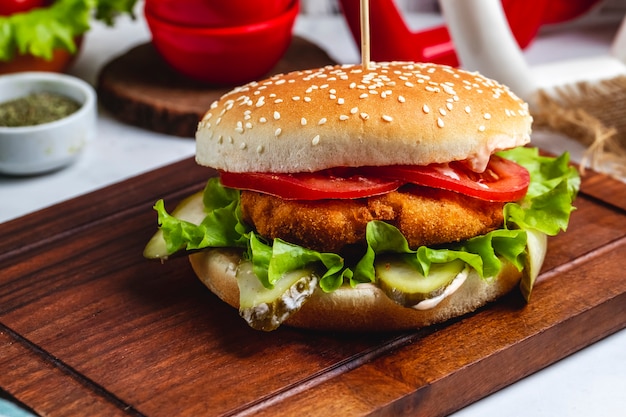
point(425, 216)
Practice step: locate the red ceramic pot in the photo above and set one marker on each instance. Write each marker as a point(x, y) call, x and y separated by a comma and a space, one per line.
point(216, 13)
point(226, 55)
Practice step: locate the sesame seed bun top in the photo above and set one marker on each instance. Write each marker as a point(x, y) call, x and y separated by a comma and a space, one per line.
point(346, 115)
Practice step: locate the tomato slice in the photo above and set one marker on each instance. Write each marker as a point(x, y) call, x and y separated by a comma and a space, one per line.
point(335, 184)
point(9, 7)
point(502, 180)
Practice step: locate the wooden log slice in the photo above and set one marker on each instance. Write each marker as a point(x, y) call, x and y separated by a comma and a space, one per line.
point(141, 89)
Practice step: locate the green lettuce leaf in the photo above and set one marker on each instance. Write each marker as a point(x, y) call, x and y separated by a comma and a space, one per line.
point(38, 32)
point(546, 208)
point(554, 184)
point(222, 226)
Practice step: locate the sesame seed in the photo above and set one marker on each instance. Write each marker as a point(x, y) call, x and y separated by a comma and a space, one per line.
point(426, 109)
point(364, 116)
point(449, 106)
point(343, 117)
point(303, 121)
point(364, 95)
point(322, 121)
point(260, 149)
point(315, 140)
point(387, 118)
point(248, 125)
point(354, 110)
point(448, 89)
point(481, 128)
point(231, 140)
point(467, 109)
point(409, 84)
point(332, 97)
point(487, 116)
point(276, 115)
point(277, 132)
point(278, 100)
point(307, 99)
point(442, 111)
point(340, 101)
point(243, 145)
point(295, 98)
point(401, 99)
point(262, 120)
point(439, 122)
point(220, 139)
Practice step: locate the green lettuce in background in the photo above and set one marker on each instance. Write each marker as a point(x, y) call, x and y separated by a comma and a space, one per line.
point(546, 208)
point(40, 31)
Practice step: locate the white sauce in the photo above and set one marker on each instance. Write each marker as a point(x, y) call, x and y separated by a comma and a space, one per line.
point(450, 289)
point(478, 162)
point(444, 169)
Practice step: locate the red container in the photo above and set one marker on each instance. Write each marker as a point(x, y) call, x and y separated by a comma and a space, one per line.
point(227, 55)
point(392, 40)
point(216, 13)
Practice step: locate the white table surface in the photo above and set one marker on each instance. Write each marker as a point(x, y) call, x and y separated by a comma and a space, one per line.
point(591, 382)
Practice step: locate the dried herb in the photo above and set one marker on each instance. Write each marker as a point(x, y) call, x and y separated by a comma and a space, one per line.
point(36, 108)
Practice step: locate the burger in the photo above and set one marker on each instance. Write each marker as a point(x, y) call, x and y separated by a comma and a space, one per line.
point(368, 198)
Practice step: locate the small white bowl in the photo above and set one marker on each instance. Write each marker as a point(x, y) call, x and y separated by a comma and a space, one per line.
point(29, 150)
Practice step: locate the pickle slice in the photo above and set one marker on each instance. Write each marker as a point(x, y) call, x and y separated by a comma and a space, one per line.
point(266, 309)
point(190, 209)
point(407, 286)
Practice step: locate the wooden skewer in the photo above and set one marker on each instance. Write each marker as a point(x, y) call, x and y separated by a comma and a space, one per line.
point(365, 34)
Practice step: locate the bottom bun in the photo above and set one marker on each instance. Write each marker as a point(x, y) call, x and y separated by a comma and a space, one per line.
point(364, 308)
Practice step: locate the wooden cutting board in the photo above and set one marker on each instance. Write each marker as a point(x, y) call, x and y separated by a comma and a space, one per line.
point(88, 327)
point(141, 89)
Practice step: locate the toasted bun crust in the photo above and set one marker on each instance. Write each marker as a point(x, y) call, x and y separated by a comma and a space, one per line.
point(391, 113)
point(365, 308)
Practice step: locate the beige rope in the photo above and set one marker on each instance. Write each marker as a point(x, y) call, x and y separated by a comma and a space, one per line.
point(593, 113)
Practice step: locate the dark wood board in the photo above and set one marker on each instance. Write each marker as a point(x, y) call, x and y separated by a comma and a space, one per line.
point(141, 89)
point(87, 326)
